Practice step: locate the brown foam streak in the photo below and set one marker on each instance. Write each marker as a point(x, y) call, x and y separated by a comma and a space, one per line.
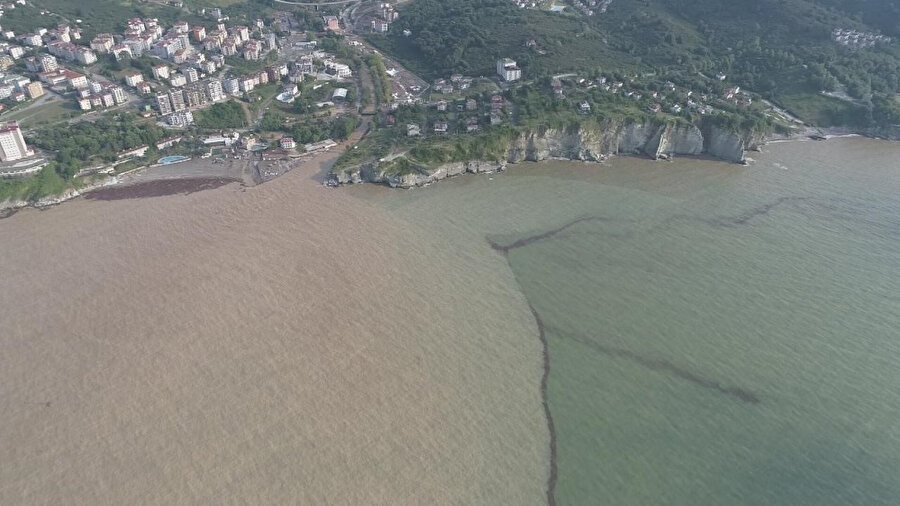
point(654, 364)
point(662, 365)
point(545, 379)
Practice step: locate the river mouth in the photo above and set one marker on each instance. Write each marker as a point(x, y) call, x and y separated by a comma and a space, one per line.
point(159, 188)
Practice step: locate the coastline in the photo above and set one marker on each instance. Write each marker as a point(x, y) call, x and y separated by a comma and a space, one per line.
point(157, 186)
point(185, 180)
point(365, 174)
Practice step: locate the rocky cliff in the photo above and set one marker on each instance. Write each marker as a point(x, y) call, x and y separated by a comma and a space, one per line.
point(373, 172)
point(580, 142)
point(52, 200)
point(656, 140)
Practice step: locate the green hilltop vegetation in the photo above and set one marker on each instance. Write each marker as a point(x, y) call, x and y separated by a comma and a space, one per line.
point(78, 146)
point(99, 16)
point(782, 49)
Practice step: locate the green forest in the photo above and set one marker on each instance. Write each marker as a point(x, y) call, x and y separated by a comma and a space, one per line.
point(92, 143)
point(782, 49)
point(221, 116)
point(77, 146)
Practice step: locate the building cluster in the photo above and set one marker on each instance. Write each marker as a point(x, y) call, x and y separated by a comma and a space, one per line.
point(317, 63)
point(455, 82)
point(585, 7)
point(191, 56)
point(19, 88)
point(100, 95)
point(89, 94)
point(8, 6)
point(858, 40)
point(387, 16)
point(669, 99)
point(177, 44)
point(57, 41)
point(471, 114)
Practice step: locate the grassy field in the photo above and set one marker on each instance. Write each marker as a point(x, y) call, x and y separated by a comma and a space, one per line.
point(822, 111)
point(47, 182)
point(44, 114)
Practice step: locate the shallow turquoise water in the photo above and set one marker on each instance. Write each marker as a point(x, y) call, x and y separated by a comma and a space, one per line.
point(717, 334)
point(166, 160)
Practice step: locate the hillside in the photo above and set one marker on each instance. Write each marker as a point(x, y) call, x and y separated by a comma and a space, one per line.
point(100, 16)
point(782, 49)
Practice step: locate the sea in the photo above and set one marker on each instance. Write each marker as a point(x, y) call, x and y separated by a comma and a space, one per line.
point(629, 333)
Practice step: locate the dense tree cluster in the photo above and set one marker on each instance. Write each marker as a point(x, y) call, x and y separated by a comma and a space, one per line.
point(308, 131)
point(380, 79)
point(222, 115)
point(780, 48)
point(85, 143)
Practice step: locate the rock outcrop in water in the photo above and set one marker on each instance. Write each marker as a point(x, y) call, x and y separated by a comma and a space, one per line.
point(592, 143)
point(371, 173)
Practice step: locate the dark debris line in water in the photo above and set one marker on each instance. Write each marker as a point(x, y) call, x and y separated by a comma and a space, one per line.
point(662, 365)
point(159, 188)
point(545, 401)
point(740, 220)
point(654, 364)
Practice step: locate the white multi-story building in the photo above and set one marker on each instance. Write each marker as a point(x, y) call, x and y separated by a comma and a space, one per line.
point(12, 144)
point(178, 80)
point(176, 97)
point(103, 43)
point(75, 79)
point(163, 104)
point(48, 63)
point(118, 94)
point(214, 90)
point(180, 119)
point(241, 32)
point(32, 39)
point(508, 70)
point(160, 72)
point(232, 86)
point(338, 69)
point(85, 56)
point(247, 83)
point(133, 79)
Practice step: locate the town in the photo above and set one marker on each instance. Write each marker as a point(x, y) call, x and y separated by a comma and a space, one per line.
point(277, 88)
point(214, 84)
point(264, 90)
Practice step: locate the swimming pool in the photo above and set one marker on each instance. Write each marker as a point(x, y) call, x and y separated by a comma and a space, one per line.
point(166, 160)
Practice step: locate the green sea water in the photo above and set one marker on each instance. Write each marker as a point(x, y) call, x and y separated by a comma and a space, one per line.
point(717, 334)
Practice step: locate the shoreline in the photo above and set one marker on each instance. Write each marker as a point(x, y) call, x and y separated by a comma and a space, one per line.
point(806, 134)
point(158, 187)
point(180, 183)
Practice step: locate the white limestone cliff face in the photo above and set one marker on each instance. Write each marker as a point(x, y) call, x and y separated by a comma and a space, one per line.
point(370, 173)
point(592, 143)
